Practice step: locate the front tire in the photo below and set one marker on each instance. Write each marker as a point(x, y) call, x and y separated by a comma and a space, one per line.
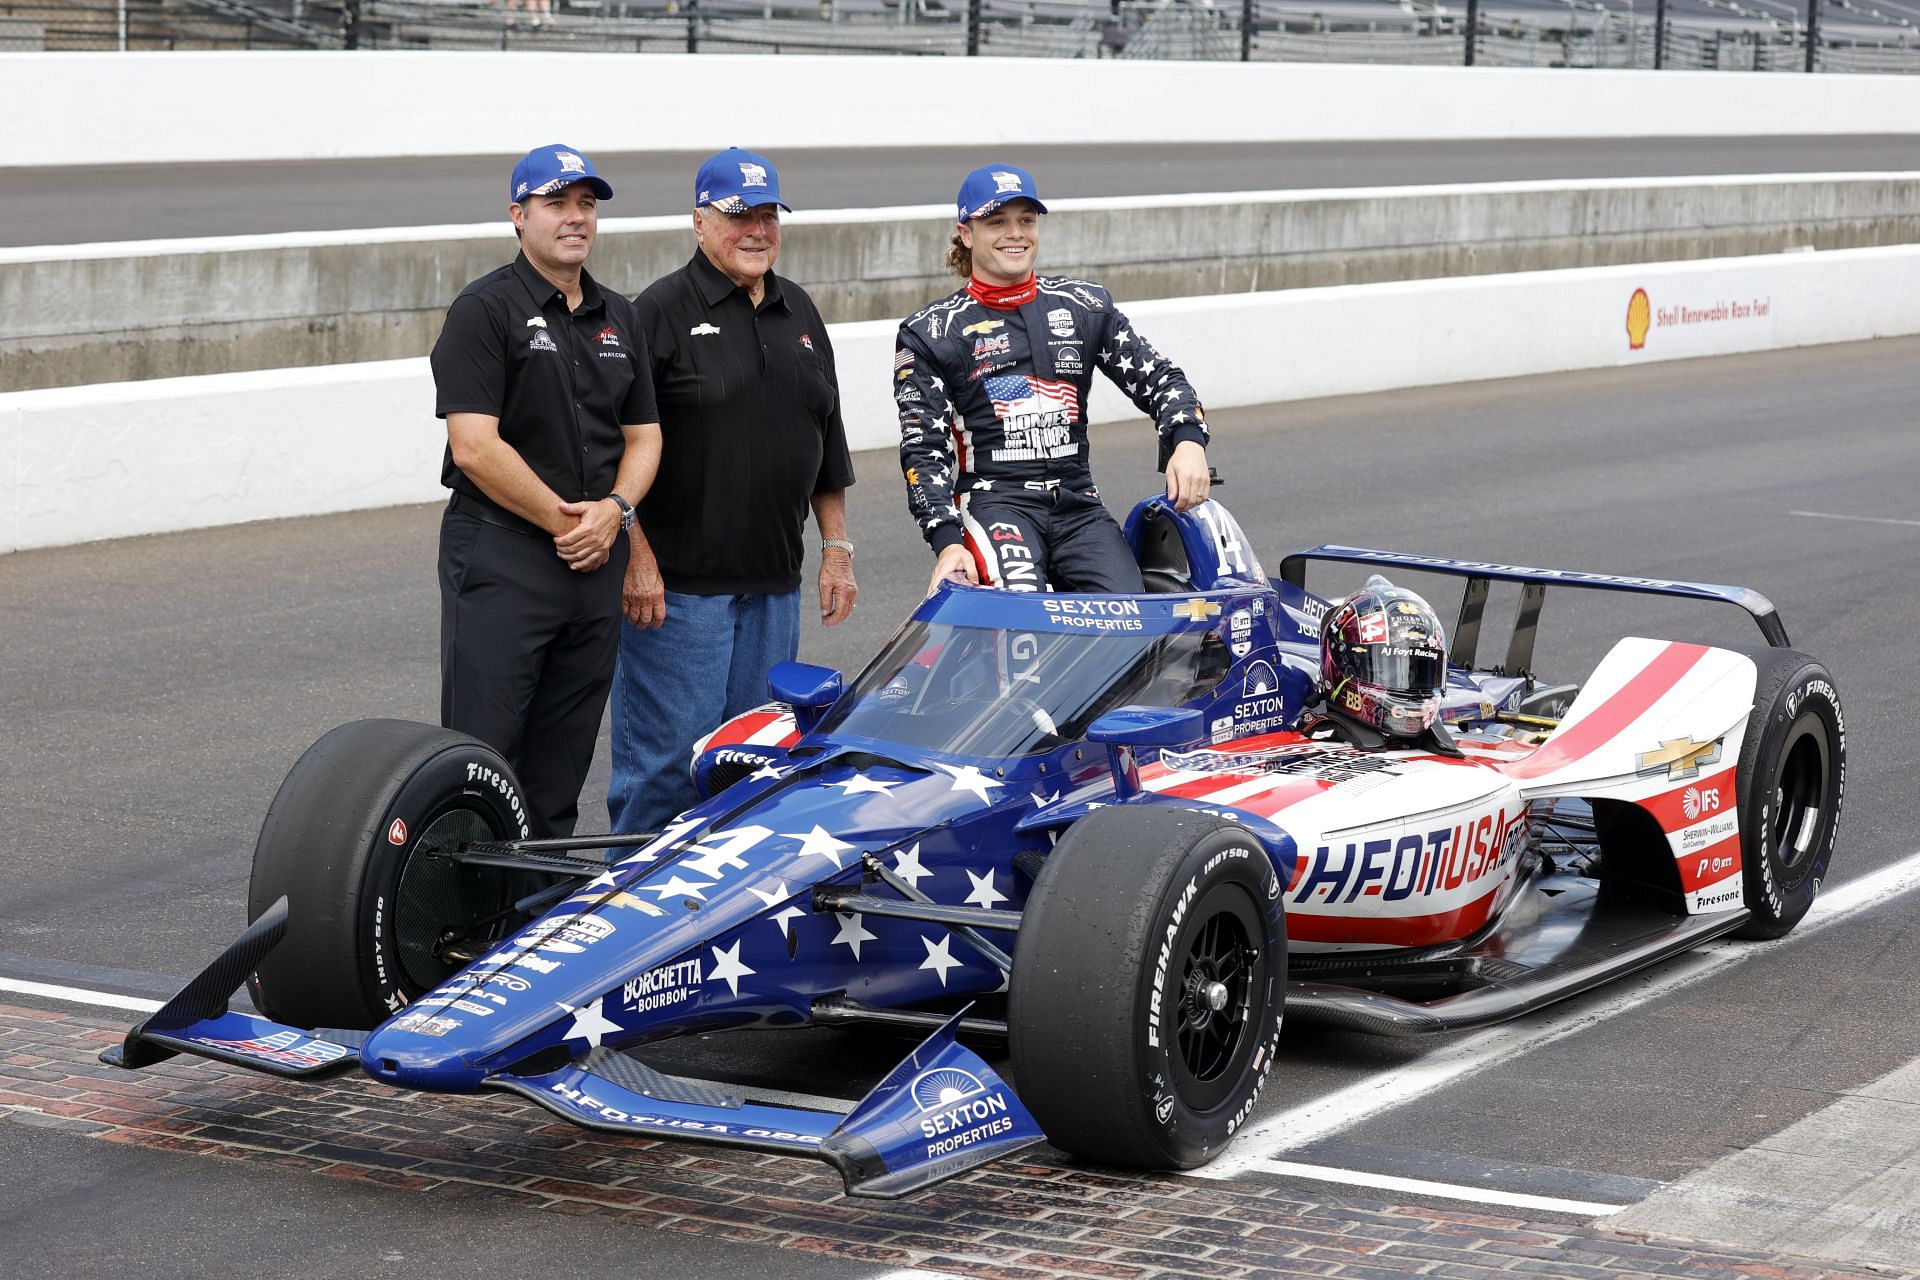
point(1144, 1006)
point(375, 912)
point(1792, 778)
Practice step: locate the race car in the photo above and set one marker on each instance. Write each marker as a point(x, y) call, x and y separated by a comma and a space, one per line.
point(1085, 826)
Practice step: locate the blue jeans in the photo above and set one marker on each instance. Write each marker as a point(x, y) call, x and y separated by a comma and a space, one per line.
point(707, 663)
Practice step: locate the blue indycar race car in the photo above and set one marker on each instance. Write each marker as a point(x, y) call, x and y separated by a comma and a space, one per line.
point(1085, 827)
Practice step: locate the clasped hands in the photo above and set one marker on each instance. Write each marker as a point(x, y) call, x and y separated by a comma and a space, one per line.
point(587, 545)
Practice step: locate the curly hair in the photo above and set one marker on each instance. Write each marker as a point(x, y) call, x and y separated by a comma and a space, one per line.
point(959, 257)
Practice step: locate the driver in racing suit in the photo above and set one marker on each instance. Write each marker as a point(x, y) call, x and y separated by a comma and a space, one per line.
point(992, 382)
point(1383, 673)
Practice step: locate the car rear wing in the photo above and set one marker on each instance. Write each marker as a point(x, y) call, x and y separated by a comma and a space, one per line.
point(1480, 576)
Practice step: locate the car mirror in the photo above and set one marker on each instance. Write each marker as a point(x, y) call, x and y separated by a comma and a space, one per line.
point(808, 689)
point(1147, 727)
point(1125, 729)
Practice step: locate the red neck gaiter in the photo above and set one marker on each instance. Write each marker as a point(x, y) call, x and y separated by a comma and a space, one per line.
point(1003, 297)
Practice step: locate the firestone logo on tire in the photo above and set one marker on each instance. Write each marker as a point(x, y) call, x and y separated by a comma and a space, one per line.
point(488, 777)
point(397, 833)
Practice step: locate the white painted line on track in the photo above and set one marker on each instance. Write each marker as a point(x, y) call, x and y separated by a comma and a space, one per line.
point(77, 995)
point(1828, 515)
point(1444, 1190)
point(1256, 1147)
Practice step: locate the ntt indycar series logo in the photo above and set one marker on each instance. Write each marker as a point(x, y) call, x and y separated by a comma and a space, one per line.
point(957, 1109)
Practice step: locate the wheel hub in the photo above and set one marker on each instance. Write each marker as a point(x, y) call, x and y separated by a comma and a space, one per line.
point(1214, 996)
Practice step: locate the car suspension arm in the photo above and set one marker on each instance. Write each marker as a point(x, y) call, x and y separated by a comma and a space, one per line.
point(965, 921)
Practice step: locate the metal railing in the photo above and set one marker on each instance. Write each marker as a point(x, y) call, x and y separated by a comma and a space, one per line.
point(1880, 36)
point(150, 25)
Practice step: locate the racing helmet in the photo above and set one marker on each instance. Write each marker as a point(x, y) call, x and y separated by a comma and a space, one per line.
point(1383, 657)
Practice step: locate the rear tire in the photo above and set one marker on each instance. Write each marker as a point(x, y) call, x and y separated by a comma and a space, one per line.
point(1792, 778)
point(1147, 987)
point(350, 840)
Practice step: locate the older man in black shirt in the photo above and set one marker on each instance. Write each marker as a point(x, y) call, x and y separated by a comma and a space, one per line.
point(750, 410)
point(552, 440)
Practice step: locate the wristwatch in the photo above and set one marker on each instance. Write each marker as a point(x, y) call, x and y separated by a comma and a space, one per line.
point(829, 544)
point(626, 511)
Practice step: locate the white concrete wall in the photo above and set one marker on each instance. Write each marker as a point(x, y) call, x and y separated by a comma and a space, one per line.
point(84, 463)
point(113, 108)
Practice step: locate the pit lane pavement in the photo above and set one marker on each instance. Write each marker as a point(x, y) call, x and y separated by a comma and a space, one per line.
point(158, 688)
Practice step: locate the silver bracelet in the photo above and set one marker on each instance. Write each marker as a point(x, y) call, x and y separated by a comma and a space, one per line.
point(828, 544)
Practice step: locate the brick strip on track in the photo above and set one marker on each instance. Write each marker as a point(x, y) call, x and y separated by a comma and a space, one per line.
point(1038, 1219)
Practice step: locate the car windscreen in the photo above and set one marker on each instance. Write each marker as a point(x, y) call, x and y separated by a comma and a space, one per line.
point(989, 691)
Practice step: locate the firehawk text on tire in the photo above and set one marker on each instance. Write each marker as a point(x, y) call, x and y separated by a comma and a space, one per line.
point(1145, 1003)
point(377, 915)
point(1793, 773)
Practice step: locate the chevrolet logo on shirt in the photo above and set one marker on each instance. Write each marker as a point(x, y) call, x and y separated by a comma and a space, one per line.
point(699, 329)
point(1196, 610)
point(985, 326)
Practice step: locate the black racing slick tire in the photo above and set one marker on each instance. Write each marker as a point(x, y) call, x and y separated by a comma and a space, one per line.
point(1148, 983)
point(1791, 780)
point(376, 915)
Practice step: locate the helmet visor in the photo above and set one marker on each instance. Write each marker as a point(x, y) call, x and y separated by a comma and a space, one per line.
point(1405, 669)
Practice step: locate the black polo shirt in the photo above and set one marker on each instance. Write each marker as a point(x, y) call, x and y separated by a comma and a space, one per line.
point(750, 418)
point(561, 383)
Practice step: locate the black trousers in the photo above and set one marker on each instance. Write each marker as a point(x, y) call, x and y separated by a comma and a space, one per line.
point(1033, 540)
point(526, 656)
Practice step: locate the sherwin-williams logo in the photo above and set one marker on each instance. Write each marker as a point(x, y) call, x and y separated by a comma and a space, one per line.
point(1639, 319)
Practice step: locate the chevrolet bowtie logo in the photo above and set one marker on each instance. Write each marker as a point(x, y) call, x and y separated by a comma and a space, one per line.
point(1196, 610)
point(702, 329)
point(1680, 757)
point(634, 904)
point(985, 326)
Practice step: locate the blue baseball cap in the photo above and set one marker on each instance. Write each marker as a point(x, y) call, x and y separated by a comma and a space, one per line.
point(992, 185)
point(735, 181)
point(544, 170)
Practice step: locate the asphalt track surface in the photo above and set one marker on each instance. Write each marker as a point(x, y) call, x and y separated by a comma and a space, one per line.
point(139, 202)
point(157, 689)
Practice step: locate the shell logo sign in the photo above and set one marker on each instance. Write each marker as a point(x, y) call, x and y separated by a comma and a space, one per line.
point(1639, 319)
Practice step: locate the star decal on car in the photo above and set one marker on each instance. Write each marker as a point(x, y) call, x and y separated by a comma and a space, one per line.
point(984, 894)
point(589, 1022)
point(817, 843)
point(940, 956)
point(967, 777)
point(677, 887)
point(779, 893)
point(852, 933)
point(906, 865)
point(860, 782)
point(728, 968)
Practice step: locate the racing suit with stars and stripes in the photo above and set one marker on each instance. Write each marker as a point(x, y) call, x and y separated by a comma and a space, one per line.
point(993, 434)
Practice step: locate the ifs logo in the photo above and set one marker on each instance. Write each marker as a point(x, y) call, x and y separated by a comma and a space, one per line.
point(1695, 802)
